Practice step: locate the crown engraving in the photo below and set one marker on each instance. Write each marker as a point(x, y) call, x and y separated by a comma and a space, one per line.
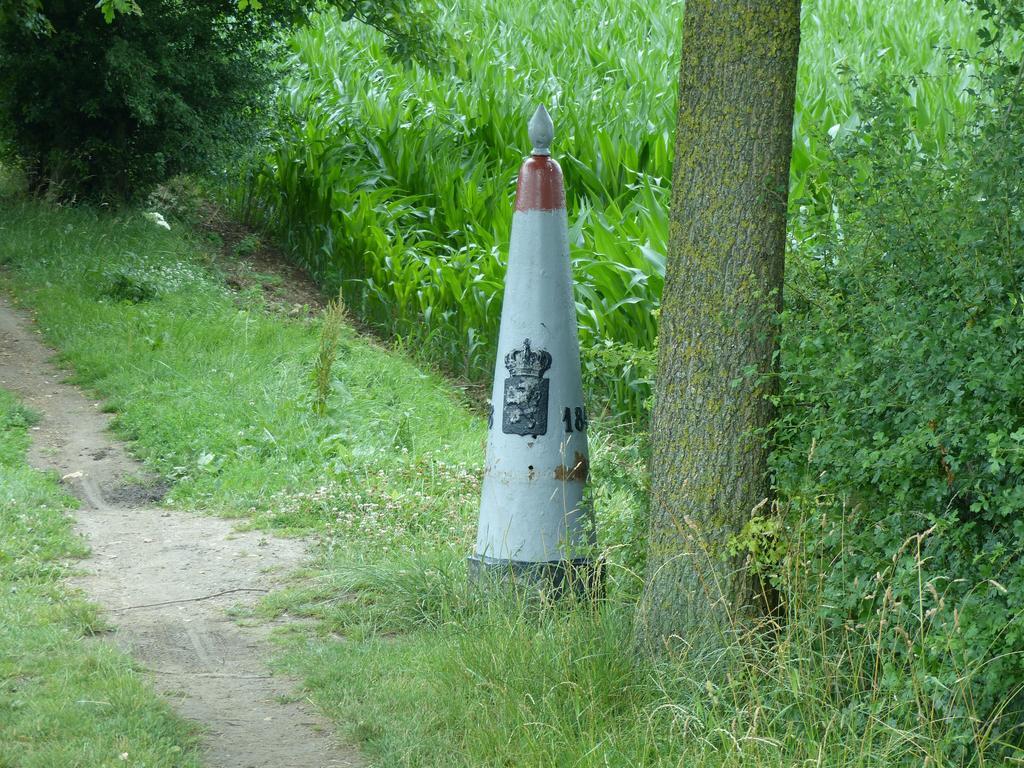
point(526, 362)
point(525, 408)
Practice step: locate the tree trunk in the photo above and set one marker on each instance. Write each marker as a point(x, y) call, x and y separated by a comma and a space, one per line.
point(723, 289)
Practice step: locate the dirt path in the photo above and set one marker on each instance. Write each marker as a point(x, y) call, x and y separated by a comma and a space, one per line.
point(212, 669)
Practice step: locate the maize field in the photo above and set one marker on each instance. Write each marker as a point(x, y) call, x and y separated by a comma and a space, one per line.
point(395, 182)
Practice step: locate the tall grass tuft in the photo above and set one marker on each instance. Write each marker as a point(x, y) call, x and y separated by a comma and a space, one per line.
point(332, 324)
point(517, 682)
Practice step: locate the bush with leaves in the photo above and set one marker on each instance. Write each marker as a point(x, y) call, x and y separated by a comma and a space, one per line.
point(106, 103)
point(902, 434)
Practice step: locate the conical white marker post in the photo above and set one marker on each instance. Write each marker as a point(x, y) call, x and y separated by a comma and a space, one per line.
point(534, 523)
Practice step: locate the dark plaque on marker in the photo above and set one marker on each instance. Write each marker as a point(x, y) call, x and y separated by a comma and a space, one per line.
point(525, 411)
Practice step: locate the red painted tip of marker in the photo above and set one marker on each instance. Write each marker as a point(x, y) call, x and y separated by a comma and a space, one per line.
point(540, 185)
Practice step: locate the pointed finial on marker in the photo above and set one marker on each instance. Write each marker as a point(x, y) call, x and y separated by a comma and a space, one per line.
point(542, 131)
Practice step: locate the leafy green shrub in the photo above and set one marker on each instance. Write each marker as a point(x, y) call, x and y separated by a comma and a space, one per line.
point(246, 246)
point(180, 198)
point(903, 406)
point(102, 109)
point(16, 416)
point(620, 493)
point(105, 105)
point(129, 286)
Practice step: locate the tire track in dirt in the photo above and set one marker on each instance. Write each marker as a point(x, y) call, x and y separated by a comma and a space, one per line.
point(211, 669)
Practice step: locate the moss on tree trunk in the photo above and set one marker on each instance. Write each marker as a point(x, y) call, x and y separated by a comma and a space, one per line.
point(723, 288)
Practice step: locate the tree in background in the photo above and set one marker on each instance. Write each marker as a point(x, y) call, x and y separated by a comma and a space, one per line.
point(723, 288)
point(105, 103)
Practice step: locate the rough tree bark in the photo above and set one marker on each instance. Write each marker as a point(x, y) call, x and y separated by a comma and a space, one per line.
point(723, 287)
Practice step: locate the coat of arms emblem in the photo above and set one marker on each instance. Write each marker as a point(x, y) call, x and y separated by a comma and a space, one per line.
point(525, 410)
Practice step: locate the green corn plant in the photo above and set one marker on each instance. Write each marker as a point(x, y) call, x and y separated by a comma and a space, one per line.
point(395, 184)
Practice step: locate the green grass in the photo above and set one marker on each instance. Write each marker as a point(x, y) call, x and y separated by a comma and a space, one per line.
point(426, 673)
point(66, 698)
point(218, 395)
point(397, 182)
point(215, 393)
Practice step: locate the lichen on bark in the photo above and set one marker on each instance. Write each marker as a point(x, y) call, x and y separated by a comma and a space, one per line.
point(723, 290)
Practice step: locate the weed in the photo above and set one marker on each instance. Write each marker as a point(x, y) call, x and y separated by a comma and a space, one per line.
point(247, 245)
point(126, 286)
point(330, 337)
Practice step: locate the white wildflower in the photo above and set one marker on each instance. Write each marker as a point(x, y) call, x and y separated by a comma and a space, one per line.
point(157, 219)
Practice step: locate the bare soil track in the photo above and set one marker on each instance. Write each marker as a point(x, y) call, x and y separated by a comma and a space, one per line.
point(165, 578)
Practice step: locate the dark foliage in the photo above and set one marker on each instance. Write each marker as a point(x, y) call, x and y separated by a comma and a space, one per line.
point(903, 428)
point(105, 105)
